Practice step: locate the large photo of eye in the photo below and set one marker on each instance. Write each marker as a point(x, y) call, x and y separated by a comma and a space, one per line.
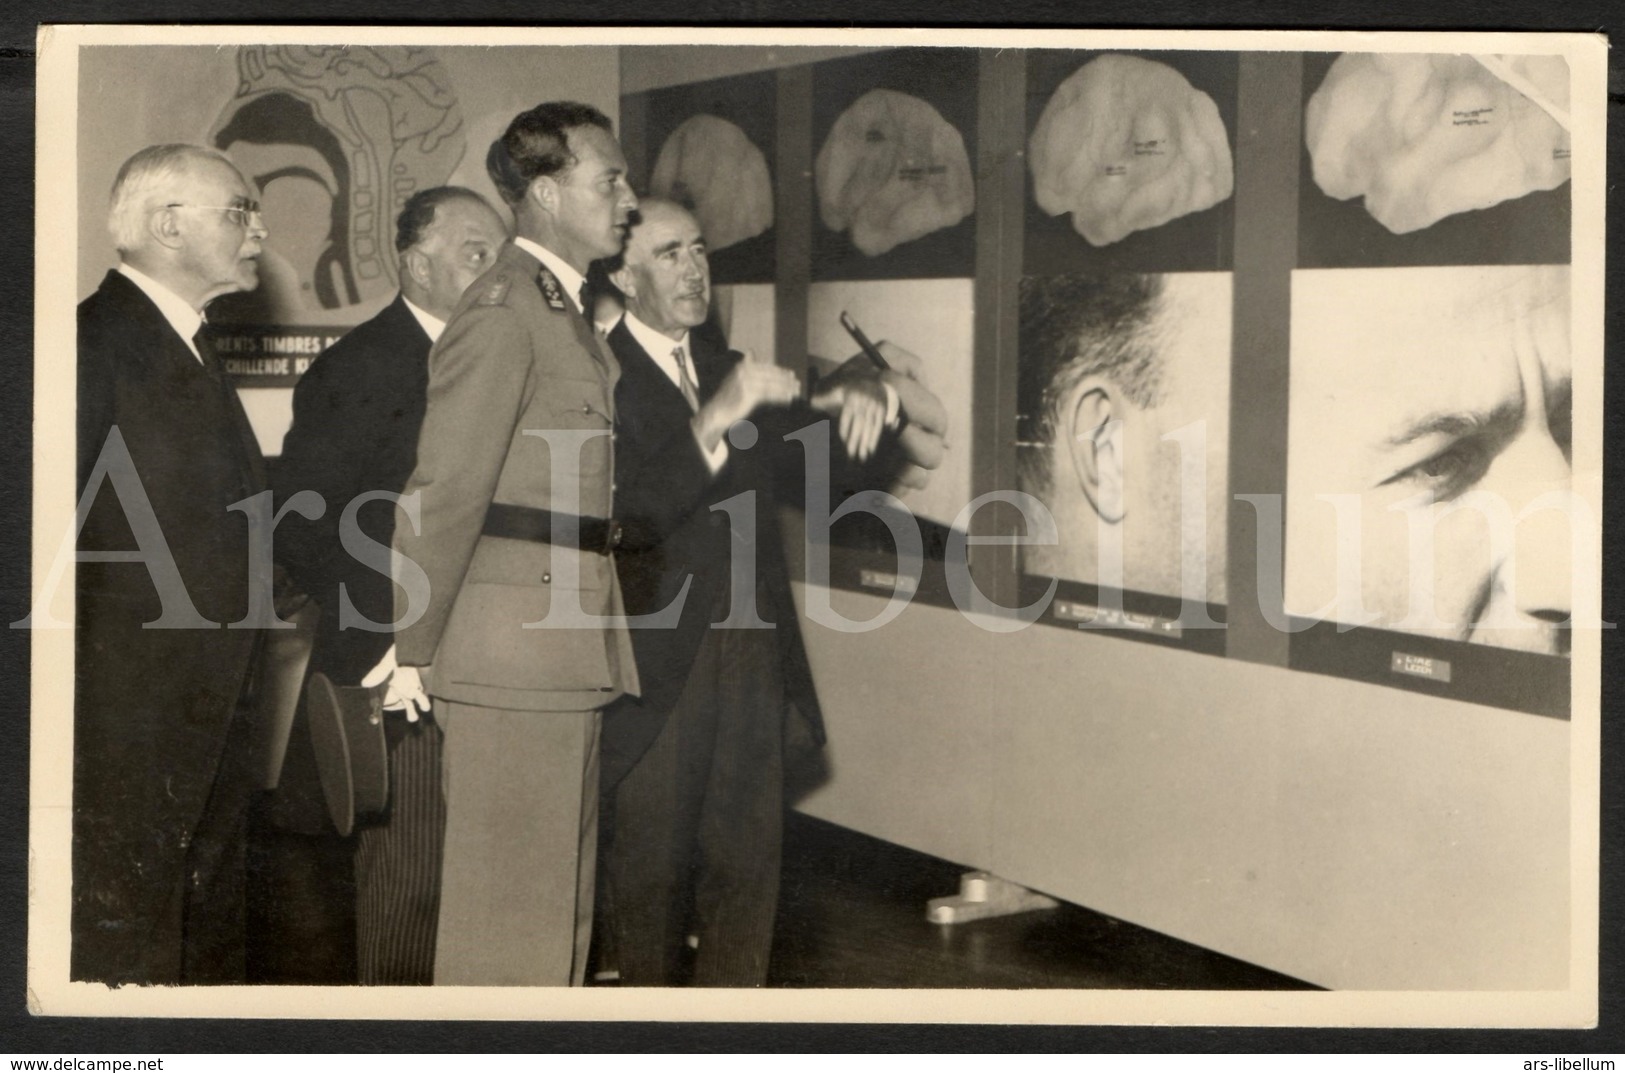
point(1428, 471)
point(1419, 158)
point(1130, 161)
point(711, 148)
point(1123, 410)
point(894, 143)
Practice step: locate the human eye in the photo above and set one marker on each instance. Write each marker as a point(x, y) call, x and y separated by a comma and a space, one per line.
point(1450, 471)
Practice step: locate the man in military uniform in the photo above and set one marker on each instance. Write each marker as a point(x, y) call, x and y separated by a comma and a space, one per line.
point(506, 522)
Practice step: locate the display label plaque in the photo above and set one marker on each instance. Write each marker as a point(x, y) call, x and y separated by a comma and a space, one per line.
point(879, 579)
point(1090, 617)
point(1421, 666)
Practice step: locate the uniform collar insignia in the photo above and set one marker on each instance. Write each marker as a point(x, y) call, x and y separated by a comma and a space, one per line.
point(552, 291)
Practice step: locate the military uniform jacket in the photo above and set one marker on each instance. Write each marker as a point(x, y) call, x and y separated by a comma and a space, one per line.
point(517, 370)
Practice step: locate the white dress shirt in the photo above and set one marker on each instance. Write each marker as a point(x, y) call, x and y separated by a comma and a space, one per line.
point(176, 310)
point(432, 325)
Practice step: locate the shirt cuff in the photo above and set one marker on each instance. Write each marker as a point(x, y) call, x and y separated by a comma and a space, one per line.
point(717, 458)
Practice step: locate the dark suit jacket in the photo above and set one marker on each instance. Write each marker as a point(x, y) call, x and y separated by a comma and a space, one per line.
point(356, 416)
point(152, 706)
point(517, 360)
point(664, 498)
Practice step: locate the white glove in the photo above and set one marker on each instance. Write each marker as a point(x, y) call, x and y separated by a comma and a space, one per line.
point(405, 690)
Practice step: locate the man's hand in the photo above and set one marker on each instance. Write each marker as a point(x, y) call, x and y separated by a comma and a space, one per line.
point(923, 439)
point(405, 690)
point(923, 418)
point(752, 383)
point(854, 393)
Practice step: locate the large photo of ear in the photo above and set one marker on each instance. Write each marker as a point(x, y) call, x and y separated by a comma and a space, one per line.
point(1419, 158)
point(1428, 468)
point(1123, 405)
point(1130, 160)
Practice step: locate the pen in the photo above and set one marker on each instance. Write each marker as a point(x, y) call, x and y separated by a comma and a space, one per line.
point(874, 355)
point(869, 348)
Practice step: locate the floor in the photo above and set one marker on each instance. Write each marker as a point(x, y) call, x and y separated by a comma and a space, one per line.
point(851, 914)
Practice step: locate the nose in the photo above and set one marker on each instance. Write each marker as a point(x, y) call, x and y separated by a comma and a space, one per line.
point(256, 225)
point(629, 199)
point(1537, 575)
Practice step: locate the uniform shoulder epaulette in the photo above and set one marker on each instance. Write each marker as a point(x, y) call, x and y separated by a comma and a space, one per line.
point(496, 291)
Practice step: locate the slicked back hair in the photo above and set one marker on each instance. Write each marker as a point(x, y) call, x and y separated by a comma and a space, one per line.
point(536, 144)
point(1074, 327)
point(419, 211)
point(143, 179)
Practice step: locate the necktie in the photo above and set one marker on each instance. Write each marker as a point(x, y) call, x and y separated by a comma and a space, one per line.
point(684, 381)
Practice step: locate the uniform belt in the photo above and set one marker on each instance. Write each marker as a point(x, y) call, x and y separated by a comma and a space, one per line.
point(601, 535)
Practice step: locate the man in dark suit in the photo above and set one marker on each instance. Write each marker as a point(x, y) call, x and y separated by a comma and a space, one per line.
point(356, 416)
point(161, 779)
point(508, 584)
point(699, 814)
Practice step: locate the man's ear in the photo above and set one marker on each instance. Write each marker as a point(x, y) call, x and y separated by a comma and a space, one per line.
point(1094, 436)
point(622, 278)
point(164, 226)
point(417, 266)
point(544, 194)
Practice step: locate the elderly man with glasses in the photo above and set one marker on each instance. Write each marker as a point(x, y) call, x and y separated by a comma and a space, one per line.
point(161, 783)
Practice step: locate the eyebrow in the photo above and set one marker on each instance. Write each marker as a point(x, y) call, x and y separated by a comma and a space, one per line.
point(1456, 423)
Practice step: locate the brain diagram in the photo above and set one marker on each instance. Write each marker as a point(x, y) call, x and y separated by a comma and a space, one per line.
point(1126, 144)
point(711, 166)
point(1422, 137)
point(372, 125)
point(892, 170)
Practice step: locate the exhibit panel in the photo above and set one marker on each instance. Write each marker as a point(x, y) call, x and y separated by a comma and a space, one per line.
point(711, 146)
point(1130, 160)
point(894, 141)
point(1123, 415)
point(1429, 507)
point(932, 318)
point(1420, 158)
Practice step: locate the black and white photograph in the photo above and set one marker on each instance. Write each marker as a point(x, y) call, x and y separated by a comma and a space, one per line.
point(433, 612)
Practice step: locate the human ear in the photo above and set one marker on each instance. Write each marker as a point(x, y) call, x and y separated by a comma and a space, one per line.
point(624, 281)
point(544, 193)
point(1094, 437)
point(417, 266)
point(164, 226)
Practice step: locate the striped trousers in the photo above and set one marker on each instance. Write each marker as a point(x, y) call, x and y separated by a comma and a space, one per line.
point(398, 862)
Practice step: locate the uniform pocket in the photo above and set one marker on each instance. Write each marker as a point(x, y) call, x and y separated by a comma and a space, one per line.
point(579, 424)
